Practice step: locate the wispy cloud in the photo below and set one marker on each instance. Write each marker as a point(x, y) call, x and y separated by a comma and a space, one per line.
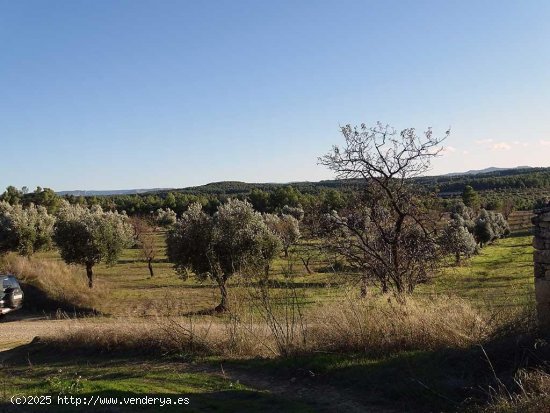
point(501, 146)
point(484, 141)
point(447, 150)
point(544, 142)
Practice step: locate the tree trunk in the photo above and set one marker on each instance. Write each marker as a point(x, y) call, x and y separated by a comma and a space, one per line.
point(90, 274)
point(399, 287)
point(384, 285)
point(457, 256)
point(364, 286)
point(150, 265)
point(224, 304)
point(286, 251)
point(306, 264)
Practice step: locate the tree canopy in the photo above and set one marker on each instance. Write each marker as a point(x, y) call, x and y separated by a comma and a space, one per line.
point(88, 236)
point(233, 241)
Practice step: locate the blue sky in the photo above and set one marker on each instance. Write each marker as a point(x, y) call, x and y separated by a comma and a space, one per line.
point(138, 94)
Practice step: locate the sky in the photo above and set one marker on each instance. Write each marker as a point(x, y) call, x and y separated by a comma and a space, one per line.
point(147, 94)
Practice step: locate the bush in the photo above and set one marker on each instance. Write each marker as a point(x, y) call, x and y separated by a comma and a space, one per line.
point(490, 226)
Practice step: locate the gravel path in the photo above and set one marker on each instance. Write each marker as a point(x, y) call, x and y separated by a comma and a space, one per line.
point(18, 330)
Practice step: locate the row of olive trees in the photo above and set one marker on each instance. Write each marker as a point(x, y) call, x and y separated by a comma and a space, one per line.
point(389, 234)
point(236, 240)
point(25, 230)
point(84, 236)
point(467, 230)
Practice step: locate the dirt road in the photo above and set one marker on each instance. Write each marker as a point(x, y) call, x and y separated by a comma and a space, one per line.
point(17, 330)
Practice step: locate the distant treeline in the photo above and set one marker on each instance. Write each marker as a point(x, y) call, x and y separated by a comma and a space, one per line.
point(508, 179)
point(526, 189)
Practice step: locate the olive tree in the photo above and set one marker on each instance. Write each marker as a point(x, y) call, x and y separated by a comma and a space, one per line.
point(88, 236)
point(296, 212)
point(286, 227)
point(389, 232)
point(145, 239)
point(165, 217)
point(233, 241)
point(489, 226)
point(25, 230)
point(457, 240)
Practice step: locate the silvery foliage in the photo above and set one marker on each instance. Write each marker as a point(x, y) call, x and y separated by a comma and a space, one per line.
point(88, 236)
point(456, 239)
point(466, 213)
point(234, 240)
point(25, 230)
point(296, 212)
point(286, 227)
point(490, 226)
point(165, 217)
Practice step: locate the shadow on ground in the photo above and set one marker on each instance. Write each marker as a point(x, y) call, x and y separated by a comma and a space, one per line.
point(105, 384)
point(38, 302)
point(446, 380)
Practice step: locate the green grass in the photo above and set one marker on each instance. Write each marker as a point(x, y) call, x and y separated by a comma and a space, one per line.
point(502, 274)
point(33, 372)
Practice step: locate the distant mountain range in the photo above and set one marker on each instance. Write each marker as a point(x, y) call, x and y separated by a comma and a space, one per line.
point(241, 187)
point(485, 171)
point(112, 192)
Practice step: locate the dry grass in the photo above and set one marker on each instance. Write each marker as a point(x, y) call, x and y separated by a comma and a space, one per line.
point(373, 326)
point(51, 284)
point(532, 395)
point(383, 325)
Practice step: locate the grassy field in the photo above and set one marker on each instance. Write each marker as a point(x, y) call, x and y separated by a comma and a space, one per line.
point(131, 291)
point(500, 277)
point(502, 274)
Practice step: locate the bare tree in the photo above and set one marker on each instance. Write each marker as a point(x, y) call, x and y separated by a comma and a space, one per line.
point(145, 237)
point(389, 234)
point(508, 206)
point(139, 225)
point(309, 254)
